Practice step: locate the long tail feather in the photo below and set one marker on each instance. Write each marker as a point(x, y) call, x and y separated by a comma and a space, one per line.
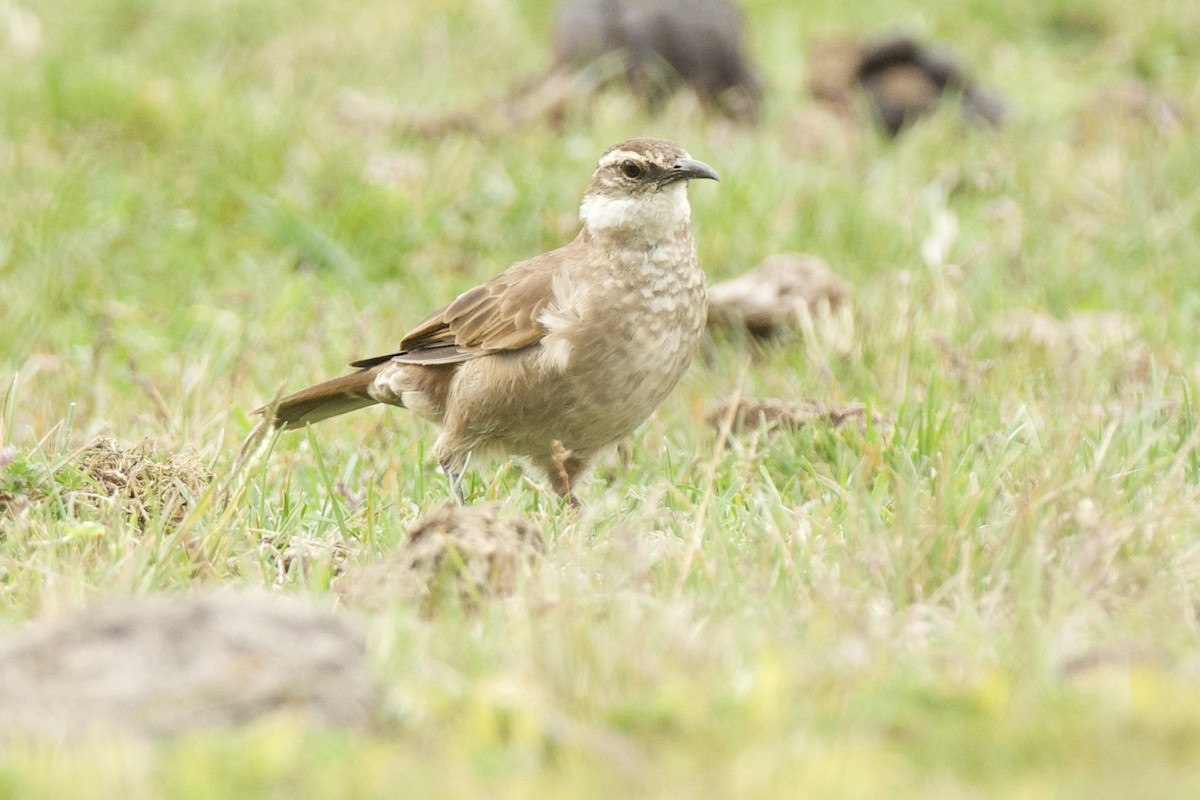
point(324, 400)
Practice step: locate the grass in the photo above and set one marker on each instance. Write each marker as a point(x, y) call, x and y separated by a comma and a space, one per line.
point(999, 600)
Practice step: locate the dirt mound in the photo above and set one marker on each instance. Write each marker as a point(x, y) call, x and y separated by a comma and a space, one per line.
point(786, 291)
point(455, 552)
point(171, 664)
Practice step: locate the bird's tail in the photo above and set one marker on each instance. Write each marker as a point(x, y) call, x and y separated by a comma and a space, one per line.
point(322, 401)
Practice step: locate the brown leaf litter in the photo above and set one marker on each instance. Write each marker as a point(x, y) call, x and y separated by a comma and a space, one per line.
point(787, 291)
point(170, 664)
point(748, 414)
point(462, 552)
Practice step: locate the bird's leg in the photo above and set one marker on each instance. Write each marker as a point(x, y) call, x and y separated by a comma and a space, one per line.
point(454, 478)
point(562, 468)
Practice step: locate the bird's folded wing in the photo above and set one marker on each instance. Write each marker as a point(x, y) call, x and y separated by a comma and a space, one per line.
point(499, 315)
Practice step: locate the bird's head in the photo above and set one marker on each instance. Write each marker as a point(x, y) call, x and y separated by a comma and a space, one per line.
point(641, 184)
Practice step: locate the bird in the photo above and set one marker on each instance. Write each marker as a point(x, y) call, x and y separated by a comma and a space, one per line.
point(560, 356)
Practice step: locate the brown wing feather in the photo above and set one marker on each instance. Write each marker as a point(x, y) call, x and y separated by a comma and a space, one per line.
point(501, 314)
point(436, 330)
point(440, 339)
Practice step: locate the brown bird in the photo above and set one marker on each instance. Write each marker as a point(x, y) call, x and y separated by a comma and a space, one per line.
point(560, 356)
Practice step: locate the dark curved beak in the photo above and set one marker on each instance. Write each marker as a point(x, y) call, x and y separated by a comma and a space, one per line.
point(687, 169)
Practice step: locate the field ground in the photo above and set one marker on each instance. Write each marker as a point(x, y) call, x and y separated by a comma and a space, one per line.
point(203, 202)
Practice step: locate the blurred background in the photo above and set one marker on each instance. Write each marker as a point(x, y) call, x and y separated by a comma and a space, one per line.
point(947, 548)
point(252, 184)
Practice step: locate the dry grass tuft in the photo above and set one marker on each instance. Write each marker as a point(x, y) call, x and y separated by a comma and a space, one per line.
point(107, 477)
point(140, 479)
point(751, 414)
point(1082, 338)
point(1086, 332)
point(301, 555)
point(1128, 107)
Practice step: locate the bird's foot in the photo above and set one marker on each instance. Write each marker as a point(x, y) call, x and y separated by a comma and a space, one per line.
point(454, 478)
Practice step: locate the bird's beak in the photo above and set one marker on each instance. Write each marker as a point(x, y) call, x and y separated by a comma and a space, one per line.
point(687, 169)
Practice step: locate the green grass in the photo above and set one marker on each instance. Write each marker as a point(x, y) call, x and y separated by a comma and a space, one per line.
point(1000, 600)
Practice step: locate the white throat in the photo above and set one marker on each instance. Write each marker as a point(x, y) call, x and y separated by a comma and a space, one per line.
point(655, 215)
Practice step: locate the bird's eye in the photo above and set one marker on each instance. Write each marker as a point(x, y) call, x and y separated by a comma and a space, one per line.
point(630, 169)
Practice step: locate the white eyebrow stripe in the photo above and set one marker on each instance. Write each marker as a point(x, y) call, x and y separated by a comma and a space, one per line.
point(617, 156)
